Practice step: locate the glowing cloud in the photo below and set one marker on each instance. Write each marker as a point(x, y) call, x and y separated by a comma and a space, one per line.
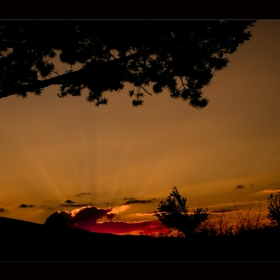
point(119, 209)
point(86, 218)
point(143, 214)
point(271, 190)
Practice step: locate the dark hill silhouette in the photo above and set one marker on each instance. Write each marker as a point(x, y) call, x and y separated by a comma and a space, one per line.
point(27, 241)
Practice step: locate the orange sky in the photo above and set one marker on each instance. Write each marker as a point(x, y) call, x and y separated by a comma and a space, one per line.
point(55, 148)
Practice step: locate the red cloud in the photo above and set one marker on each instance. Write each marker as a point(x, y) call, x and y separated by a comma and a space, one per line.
point(144, 227)
point(86, 218)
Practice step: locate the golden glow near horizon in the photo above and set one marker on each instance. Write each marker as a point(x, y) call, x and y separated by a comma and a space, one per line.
point(53, 149)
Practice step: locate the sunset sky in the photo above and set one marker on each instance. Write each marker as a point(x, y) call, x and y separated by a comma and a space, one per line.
point(55, 150)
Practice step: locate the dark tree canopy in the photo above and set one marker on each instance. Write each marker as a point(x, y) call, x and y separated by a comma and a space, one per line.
point(181, 56)
point(173, 213)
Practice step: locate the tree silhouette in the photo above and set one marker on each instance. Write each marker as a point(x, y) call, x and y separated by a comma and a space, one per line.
point(173, 213)
point(181, 56)
point(274, 209)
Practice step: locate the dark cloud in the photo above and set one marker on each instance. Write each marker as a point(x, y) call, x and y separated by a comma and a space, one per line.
point(3, 210)
point(80, 217)
point(110, 216)
point(140, 201)
point(69, 201)
point(84, 193)
point(276, 189)
point(25, 206)
point(130, 198)
point(239, 187)
point(59, 219)
point(89, 213)
point(75, 205)
point(223, 211)
point(252, 185)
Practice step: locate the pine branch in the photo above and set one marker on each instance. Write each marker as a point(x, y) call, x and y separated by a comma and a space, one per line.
point(69, 76)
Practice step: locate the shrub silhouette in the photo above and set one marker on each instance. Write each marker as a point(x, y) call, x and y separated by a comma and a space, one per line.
point(248, 223)
point(220, 226)
point(173, 213)
point(215, 227)
point(274, 209)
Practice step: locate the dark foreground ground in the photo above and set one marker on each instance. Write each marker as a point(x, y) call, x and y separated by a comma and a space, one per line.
point(25, 241)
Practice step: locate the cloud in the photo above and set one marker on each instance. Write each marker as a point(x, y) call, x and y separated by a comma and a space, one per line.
point(88, 213)
point(25, 206)
point(116, 210)
point(75, 205)
point(3, 210)
point(140, 201)
point(239, 187)
point(144, 214)
point(110, 216)
point(119, 209)
point(69, 201)
point(116, 227)
point(252, 185)
point(271, 190)
point(230, 205)
point(130, 198)
point(223, 211)
point(81, 216)
point(59, 219)
point(84, 193)
point(86, 218)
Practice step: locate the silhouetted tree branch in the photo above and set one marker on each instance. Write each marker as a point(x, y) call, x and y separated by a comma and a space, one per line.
point(157, 53)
